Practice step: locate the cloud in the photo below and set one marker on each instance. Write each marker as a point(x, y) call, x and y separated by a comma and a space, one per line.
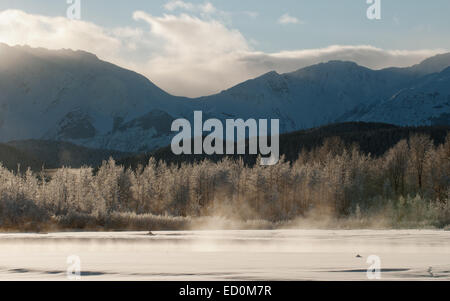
point(173, 5)
point(17, 27)
point(365, 55)
point(184, 54)
point(194, 52)
point(205, 8)
point(287, 19)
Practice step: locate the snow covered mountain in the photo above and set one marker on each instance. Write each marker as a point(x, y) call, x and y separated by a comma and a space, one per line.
point(426, 102)
point(309, 97)
point(73, 96)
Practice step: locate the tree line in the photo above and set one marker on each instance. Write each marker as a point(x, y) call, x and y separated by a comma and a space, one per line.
point(408, 185)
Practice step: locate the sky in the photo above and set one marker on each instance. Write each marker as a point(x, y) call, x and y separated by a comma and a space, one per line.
point(200, 47)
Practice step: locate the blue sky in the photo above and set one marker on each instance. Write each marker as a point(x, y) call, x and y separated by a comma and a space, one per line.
point(409, 31)
point(406, 24)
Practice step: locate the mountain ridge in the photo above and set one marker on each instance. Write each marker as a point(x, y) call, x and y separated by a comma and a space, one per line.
point(73, 96)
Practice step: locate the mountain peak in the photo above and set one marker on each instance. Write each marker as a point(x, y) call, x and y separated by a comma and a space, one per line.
point(336, 64)
point(270, 75)
point(334, 68)
point(340, 63)
point(43, 53)
point(433, 64)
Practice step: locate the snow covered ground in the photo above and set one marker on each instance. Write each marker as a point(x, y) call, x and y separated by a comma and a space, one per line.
point(228, 255)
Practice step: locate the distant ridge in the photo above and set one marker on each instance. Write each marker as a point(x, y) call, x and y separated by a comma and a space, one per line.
point(72, 96)
point(373, 138)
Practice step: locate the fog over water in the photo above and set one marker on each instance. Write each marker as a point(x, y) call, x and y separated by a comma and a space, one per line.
point(228, 255)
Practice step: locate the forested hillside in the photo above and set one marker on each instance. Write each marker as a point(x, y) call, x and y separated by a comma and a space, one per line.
point(13, 159)
point(371, 138)
point(56, 154)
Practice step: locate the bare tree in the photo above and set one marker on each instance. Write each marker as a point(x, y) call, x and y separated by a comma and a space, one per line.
point(396, 165)
point(419, 146)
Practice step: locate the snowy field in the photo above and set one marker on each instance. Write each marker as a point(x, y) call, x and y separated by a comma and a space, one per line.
point(228, 255)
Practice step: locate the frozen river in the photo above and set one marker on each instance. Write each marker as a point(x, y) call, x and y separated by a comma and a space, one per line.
point(228, 255)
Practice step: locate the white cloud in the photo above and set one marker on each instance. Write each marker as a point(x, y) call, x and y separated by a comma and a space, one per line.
point(365, 55)
point(173, 5)
point(287, 19)
point(205, 8)
point(197, 53)
point(17, 27)
point(185, 55)
point(208, 8)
